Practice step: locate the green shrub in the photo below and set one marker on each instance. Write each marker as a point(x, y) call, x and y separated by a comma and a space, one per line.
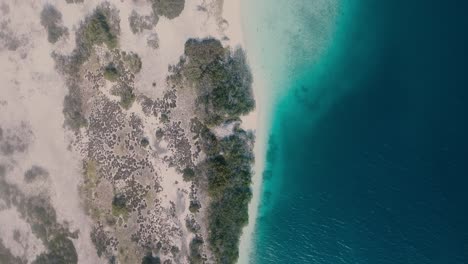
point(222, 79)
point(127, 97)
point(119, 206)
point(164, 118)
point(149, 259)
point(223, 84)
point(51, 19)
point(35, 172)
point(159, 134)
point(97, 31)
point(138, 23)
point(195, 256)
point(188, 174)
point(229, 178)
point(168, 8)
point(7, 257)
point(60, 250)
point(144, 142)
point(101, 27)
point(194, 206)
point(100, 240)
point(111, 73)
point(72, 109)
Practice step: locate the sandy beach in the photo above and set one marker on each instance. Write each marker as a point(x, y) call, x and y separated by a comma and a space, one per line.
point(234, 11)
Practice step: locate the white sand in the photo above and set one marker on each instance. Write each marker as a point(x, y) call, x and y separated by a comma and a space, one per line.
point(34, 92)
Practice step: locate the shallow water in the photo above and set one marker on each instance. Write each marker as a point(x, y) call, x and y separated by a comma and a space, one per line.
point(368, 147)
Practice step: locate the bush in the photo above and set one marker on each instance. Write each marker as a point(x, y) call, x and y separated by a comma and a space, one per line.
point(159, 134)
point(51, 19)
point(111, 73)
point(119, 206)
point(132, 61)
point(144, 142)
point(194, 206)
point(223, 84)
point(229, 178)
point(139, 23)
point(7, 257)
point(72, 109)
point(100, 240)
point(168, 8)
point(222, 79)
point(101, 27)
point(195, 250)
point(188, 174)
point(34, 173)
point(60, 250)
point(127, 97)
point(164, 118)
point(149, 259)
point(97, 31)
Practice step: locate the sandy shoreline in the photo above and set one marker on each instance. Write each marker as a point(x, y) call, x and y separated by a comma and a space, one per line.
point(256, 121)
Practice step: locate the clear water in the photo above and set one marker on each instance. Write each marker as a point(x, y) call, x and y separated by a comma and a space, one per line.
point(368, 154)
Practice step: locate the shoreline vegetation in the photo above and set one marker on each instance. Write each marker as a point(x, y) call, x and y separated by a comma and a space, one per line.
point(223, 85)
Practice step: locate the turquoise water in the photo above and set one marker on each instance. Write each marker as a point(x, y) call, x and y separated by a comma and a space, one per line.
point(367, 161)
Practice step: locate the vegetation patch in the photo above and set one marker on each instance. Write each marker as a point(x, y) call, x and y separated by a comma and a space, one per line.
point(51, 19)
point(127, 97)
point(60, 250)
point(188, 174)
point(228, 170)
point(35, 172)
point(139, 23)
point(144, 142)
point(195, 256)
point(72, 109)
point(88, 188)
point(7, 257)
point(153, 41)
point(97, 30)
point(149, 259)
point(222, 79)
point(132, 61)
point(194, 206)
point(102, 27)
point(159, 134)
point(39, 213)
point(100, 239)
point(223, 84)
point(168, 8)
point(111, 73)
point(119, 206)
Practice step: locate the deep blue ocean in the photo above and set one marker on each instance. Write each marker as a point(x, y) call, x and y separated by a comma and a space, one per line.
point(368, 153)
